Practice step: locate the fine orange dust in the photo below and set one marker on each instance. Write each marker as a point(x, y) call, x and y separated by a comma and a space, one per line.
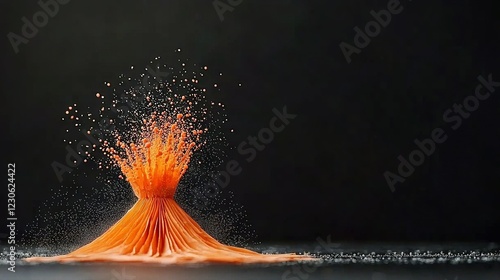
point(156, 229)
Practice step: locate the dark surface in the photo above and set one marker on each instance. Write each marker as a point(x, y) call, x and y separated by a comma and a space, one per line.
point(324, 173)
point(361, 272)
point(336, 261)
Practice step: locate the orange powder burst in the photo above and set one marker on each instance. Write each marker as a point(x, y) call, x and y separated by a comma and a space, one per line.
point(156, 229)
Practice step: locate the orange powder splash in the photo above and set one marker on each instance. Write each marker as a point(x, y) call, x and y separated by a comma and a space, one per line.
point(156, 229)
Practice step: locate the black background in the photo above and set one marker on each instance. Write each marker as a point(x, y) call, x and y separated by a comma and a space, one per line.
point(323, 175)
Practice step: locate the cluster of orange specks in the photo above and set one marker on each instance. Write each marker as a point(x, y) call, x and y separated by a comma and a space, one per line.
point(155, 164)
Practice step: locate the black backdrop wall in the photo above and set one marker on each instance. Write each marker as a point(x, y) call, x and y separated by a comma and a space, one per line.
point(324, 173)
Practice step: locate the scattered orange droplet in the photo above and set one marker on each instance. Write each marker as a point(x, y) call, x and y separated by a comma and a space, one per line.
point(156, 229)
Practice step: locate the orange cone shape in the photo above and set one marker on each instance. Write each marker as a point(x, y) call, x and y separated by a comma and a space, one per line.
point(156, 229)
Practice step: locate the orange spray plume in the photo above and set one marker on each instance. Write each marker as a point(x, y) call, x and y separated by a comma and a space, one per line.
point(156, 229)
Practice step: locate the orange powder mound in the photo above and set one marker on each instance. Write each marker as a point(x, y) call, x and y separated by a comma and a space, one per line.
point(156, 229)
